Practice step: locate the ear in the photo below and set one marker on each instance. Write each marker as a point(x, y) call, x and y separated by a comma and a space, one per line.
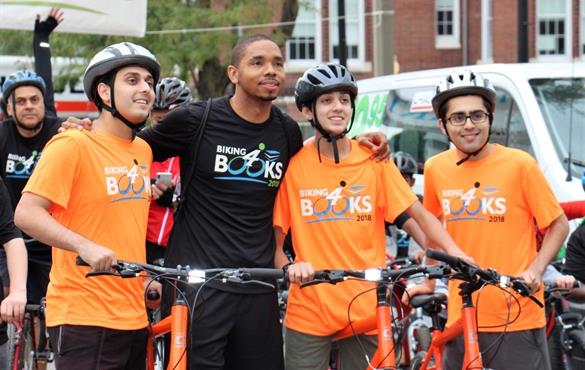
point(103, 91)
point(442, 127)
point(9, 108)
point(232, 72)
point(307, 113)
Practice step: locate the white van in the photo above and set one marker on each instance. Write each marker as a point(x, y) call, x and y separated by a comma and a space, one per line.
point(540, 109)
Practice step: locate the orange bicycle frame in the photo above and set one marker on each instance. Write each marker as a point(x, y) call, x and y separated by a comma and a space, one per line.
point(176, 324)
point(465, 325)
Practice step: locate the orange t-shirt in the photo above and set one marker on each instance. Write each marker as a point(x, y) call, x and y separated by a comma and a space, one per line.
point(489, 207)
point(336, 214)
point(99, 187)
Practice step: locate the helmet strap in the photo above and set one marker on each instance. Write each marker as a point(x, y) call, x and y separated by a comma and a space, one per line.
point(135, 127)
point(36, 127)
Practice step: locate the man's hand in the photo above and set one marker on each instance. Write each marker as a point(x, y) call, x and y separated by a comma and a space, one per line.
point(300, 272)
point(377, 143)
point(532, 278)
point(565, 282)
point(73, 123)
point(426, 287)
point(98, 257)
point(153, 286)
point(47, 26)
point(12, 307)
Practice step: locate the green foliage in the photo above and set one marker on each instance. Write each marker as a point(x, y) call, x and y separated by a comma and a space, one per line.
point(180, 53)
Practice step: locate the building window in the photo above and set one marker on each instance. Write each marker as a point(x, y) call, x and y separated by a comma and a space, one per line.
point(305, 43)
point(447, 23)
point(553, 28)
point(354, 29)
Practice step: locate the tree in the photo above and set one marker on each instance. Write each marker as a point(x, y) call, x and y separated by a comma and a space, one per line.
point(199, 54)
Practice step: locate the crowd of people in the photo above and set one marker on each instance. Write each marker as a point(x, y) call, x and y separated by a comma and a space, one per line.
point(96, 193)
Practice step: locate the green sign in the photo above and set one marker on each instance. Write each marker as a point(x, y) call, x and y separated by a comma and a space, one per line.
point(369, 112)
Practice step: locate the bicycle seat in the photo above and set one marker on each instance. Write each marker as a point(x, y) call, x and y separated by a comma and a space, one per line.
point(571, 318)
point(430, 302)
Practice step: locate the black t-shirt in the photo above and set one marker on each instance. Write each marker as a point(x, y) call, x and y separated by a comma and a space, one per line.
point(8, 230)
point(18, 158)
point(575, 256)
point(226, 220)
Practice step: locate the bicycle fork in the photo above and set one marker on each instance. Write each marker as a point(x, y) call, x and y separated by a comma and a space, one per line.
point(176, 324)
point(384, 358)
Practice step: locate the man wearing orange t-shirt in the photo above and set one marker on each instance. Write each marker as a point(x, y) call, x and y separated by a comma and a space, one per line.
point(89, 196)
point(488, 196)
point(335, 201)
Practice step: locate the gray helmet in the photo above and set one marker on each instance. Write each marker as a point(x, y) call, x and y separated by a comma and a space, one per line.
point(463, 83)
point(171, 91)
point(405, 162)
point(115, 57)
point(321, 79)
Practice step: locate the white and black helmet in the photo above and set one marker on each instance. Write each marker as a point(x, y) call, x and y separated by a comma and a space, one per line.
point(405, 163)
point(115, 57)
point(463, 83)
point(171, 91)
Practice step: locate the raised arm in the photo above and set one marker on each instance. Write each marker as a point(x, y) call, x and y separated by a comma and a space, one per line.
point(42, 53)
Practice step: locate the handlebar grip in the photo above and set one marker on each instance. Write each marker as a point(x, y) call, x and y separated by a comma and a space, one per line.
point(443, 257)
point(80, 262)
point(262, 273)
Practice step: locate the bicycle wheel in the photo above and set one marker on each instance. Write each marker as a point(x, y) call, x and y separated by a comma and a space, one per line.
point(423, 338)
point(12, 341)
point(417, 360)
point(26, 353)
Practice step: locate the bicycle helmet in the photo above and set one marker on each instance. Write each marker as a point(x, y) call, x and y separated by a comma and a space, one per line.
point(463, 83)
point(22, 78)
point(110, 60)
point(171, 91)
point(460, 83)
point(319, 80)
point(405, 162)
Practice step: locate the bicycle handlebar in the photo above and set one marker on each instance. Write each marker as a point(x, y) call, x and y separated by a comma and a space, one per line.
point(193, 276)
point(385, 275)
point(471, 273)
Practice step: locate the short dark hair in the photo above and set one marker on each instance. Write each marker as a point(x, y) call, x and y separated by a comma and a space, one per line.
point(240, 48)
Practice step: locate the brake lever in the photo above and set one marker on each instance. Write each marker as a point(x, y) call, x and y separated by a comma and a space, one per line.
point(101, 273)
point(318, 281)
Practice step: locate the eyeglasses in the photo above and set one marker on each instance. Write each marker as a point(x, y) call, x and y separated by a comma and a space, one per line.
point(476, 117)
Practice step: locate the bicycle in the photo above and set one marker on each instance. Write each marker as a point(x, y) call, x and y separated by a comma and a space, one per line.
point(565, 331)
point(176, 323)
point(384, 357)
point(474, 278)
point(24, 352)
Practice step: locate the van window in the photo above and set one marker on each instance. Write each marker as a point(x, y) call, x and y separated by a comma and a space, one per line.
point(509, 128)
point(412, 127)
point(411, 124)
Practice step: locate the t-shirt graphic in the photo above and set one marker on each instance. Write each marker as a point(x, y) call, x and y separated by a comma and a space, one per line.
point(344, 202)
point(127, 183)
point(19, 166)
point(478, 203)
point(261, 165)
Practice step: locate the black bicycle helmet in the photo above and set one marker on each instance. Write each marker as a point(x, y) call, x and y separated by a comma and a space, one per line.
point(171, 91)
point(405, 162)
point(319, 80)
point(111, 59)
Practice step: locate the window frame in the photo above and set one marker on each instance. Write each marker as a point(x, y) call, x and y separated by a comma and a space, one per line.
point(354, 64)
point(449, 41)
point(568, 28)
point(300, 65)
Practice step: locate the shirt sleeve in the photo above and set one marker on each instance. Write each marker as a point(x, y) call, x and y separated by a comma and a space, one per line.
point(54, 175)
point(281, 217)
point(394, 192)
point(430, 199)
point(8, 230)
point(175, 133)
point(541, 200)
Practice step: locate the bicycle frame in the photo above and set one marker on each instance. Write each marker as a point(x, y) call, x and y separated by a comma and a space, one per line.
point(175, 324)
point(466, 324)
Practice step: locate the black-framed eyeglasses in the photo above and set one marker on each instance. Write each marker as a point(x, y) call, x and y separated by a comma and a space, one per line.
point(476, 117)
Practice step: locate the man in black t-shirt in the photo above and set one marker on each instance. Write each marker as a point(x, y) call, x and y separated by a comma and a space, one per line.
point(31, 122)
